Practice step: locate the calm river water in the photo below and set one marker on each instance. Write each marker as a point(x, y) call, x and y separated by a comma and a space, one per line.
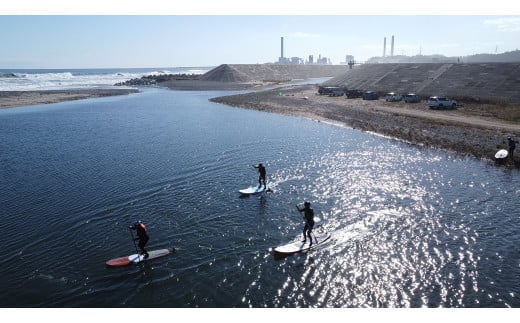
point(411, 226)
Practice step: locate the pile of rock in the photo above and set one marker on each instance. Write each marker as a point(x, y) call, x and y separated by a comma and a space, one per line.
point(6, 75)
point(150, 80)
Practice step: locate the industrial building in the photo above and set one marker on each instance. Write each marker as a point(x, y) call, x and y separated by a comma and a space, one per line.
point(298, 61)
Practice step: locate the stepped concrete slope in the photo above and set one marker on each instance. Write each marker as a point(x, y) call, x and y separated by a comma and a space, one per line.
point(246, 73)
point(498, 82)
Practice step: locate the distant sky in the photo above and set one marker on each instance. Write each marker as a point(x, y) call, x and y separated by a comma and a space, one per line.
point(111, 40)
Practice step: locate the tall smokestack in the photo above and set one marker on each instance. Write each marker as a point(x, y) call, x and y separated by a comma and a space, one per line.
point(392, 47)
point(384, 47)
point(282, 49)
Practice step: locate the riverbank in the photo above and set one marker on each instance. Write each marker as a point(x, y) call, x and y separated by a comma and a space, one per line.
point(473, 129)
point(12, 99)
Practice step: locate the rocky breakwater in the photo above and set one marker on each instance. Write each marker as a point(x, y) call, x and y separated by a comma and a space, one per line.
point(7, 75)
point(153, 80)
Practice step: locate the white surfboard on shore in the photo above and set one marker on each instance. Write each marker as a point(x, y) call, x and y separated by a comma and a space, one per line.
point(501, 154)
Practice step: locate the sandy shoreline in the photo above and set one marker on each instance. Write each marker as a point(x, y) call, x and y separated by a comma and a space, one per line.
point(13, 99)
point(467, 130)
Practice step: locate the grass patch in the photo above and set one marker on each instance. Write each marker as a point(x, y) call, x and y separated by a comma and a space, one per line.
point(509, 112)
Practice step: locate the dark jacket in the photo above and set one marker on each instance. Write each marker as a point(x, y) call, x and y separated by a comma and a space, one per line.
point(142, 232)
point(308, 213)
point(261, 170)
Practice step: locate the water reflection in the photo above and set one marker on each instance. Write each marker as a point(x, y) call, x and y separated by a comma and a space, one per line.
point(399, 239)
point(411, 226)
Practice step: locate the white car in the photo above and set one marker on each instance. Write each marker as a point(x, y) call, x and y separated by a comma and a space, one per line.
point(393, 97)
point(441, 102)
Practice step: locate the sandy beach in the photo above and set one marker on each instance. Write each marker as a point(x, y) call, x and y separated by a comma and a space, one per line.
point(12, 99)
point(471, 129)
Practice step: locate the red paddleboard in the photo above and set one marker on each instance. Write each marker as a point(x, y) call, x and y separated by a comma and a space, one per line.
point(137, 258)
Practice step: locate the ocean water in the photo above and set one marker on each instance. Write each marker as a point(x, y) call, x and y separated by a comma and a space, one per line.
point(411, 226)
point(59, 79)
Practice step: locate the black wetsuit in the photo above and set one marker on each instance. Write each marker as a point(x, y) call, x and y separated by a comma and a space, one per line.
point(512, 146)
point(308, 213)
point(261, 178)
point(142, 236)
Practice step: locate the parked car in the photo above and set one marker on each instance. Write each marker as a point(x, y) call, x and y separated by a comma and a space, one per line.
point(412, 98)
point(327, 89)
point(393, 97)
point(370, 95)
point(441, 102)
point(352, 94)
point(336, 92)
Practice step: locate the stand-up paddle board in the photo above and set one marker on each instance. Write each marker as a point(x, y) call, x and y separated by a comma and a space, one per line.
point(299, 246)
point(501, 154)
point(137, 258)
point(256, 190)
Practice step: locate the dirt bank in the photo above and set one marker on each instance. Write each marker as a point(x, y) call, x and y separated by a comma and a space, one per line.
point(11, 99)
point(470, 130)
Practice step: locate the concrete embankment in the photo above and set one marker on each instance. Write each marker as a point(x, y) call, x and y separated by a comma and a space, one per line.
point(242, 73)
point(476, 82)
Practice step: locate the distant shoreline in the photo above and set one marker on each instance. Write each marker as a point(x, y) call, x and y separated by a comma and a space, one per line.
point(14, 99)
point(464, 130)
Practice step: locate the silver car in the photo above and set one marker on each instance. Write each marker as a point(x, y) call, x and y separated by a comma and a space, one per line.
point(441, 102)
point(393, 97)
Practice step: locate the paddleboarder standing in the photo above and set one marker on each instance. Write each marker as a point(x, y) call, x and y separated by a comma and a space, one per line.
point(261, 178)
point(142, 236)
point(308, 213)
point(512, 146)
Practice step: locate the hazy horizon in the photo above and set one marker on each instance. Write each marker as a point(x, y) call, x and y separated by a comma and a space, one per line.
point(147, 41)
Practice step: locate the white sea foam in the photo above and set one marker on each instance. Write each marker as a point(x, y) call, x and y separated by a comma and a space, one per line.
point(34, 80)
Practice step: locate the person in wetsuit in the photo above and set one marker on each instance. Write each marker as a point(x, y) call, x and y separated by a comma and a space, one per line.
point(261, 178)
point(308, 213)
point(512, 146)
point(142, 236)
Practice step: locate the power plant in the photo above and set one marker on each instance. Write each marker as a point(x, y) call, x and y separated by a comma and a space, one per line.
point(281, 55)
point(297, 60)
point(391, 47)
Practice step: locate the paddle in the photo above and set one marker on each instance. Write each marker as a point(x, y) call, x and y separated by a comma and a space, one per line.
point(133, 240)
point(312, 232)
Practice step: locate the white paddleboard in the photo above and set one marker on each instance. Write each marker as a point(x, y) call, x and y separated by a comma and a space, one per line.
point(502, 153)
point(137, 258)
point(255, 189)
point(299, 246)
